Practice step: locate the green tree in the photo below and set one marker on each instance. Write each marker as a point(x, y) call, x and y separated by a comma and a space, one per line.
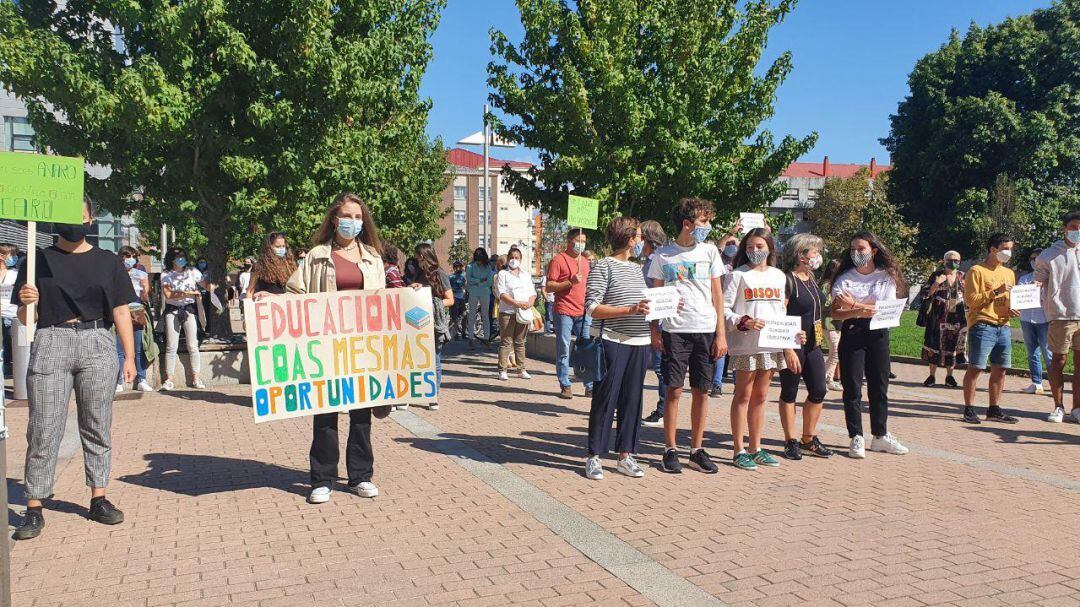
point(640, 103)
point(1000, 100)
point(460, 251)
point(227, 117)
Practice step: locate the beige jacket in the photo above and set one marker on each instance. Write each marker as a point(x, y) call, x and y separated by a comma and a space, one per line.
point(317, 274)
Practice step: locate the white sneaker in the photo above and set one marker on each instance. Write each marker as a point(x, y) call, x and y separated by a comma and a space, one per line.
point(858, 448)
point(168, 385)
point(888, 444)
point(319, 495)
point(1057, 416)
point(145, 387)
point(835, 386)
point(503, 375)
point(366, 490)
point(593, 469)
point(524, 374)
point(198, 384)
point(1075, 415)
point(433, 407)
point(629, 467)
point(119, 388)
point(1031, 388)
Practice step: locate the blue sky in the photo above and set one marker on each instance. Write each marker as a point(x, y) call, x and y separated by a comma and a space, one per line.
point(851, 65)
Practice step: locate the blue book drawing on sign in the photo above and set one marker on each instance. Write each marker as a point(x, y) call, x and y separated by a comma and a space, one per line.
point(417, 318)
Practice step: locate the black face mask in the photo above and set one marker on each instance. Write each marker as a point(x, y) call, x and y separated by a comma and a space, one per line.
point(72, 233)
point(952, 265)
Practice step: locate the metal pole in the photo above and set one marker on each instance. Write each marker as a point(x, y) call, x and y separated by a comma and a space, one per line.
point(5, 551)
point(487, 185)
point(164, 244)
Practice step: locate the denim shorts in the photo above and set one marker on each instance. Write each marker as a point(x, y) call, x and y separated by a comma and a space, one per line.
point(989, 343)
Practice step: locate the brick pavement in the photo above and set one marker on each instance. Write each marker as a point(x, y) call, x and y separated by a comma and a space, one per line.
point(216, 514)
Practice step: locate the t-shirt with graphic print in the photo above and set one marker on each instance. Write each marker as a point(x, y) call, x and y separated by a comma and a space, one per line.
point(691, 271)
point(757, 294)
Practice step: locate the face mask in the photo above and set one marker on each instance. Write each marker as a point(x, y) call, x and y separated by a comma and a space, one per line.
point(301, 260)
point(731, 250)
point(11, 262)
point(952, 264)
point(129, 262)
point(639, 248)
point(1073, 236)
point(280, 251)
point(350, 228)
point(579, 247)
point(814, 262)
point(860, 258)
point(72, 233)
point(513, 264)
point(181, 262)
point(201, 265)
point(1004, 255)
point(757, 256)
point(701, 234)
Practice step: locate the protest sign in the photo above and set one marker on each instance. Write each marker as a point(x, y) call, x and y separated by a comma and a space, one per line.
point(38, 187)
point(663, 303)
point(751, 220)
point(887, 313)
point(780, 332)
point(332, 352)
point(1024, 297)
point(582, 212)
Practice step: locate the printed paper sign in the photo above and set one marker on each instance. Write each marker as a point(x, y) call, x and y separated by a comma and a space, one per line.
point(332, 352)
point(663, 303)
point(582, 212)
point(1025, 297)
point(40, 187)
point(782, 332)
point(751, 221)
point(887, 313)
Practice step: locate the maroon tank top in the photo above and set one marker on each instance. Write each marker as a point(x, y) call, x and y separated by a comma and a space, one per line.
point(348, 274)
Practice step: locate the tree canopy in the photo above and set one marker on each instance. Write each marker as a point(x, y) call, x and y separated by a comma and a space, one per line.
point(227, 117)
point(999, 101)
point(640, 103)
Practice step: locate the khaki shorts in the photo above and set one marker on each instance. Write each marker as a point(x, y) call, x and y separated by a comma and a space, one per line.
point(1063, 335)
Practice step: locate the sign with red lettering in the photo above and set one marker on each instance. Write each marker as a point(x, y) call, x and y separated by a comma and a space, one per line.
point(332, 352)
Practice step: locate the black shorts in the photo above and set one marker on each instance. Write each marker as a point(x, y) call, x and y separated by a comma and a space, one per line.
point(813, 374)
point(691, 351)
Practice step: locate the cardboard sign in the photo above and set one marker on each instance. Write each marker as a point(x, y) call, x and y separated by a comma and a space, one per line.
point(582, 212)
point(751, 221)
point(1025, 297)
point(781, 332)
point(333, 352)
point(39, 187)
point(887, 313)
point(663, 303)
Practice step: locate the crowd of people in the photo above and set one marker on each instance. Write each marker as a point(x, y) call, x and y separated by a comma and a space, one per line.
point(94, 327)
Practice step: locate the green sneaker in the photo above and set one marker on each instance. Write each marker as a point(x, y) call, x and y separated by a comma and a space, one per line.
point(743, 461)
point(762, 458)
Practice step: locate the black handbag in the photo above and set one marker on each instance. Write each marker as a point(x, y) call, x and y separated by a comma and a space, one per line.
point(588, 357)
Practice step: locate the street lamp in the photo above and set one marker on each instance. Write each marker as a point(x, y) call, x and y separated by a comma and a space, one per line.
point(486, 138)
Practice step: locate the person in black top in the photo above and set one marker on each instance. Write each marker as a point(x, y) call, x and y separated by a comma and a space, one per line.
point(82, 292)
point(801, 257)
point(276, 264)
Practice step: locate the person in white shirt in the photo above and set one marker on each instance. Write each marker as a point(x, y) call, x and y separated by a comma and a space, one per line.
point(1057, 269)
point(755, 292)
point(516, 293)
point(180, 286)
point(9, 261)
point(867, 274)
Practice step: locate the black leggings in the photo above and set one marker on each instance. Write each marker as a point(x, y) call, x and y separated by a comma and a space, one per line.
point(813, 373)
point(865, 351)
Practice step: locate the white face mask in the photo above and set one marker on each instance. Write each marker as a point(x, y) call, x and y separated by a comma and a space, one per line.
point(513, 264)
point(1004, 255)
point(579, 247)
point(1073, 236)
point(814, 262)
point(280, 251)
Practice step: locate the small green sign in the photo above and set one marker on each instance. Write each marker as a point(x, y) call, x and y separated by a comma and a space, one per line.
point(40, 187)
point(581, 212)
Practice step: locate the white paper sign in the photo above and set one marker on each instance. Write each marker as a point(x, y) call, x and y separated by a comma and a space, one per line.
point(751, 221)
point(1024, 297)
point(887, 313)
point(663, 303)
point(780, 332)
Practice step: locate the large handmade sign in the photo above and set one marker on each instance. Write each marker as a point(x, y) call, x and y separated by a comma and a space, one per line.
point(332, 352)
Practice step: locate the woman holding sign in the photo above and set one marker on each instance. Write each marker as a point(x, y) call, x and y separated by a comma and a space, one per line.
point(755, 292)
point(346, 254)
point(866, 275)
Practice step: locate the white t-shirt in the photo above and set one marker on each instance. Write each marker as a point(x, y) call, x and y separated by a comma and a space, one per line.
point(757, 294)
point(865, 288)
point(519, 287)
point(137, 276)
point(690, 270)
point(244, 279)
point(7, 285)
point(185, 280)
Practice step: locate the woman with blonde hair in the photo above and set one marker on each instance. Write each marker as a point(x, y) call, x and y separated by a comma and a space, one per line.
point(276, 264)
point(346, 254)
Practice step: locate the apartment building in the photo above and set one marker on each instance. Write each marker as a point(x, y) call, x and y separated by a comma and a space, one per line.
point(804, 181)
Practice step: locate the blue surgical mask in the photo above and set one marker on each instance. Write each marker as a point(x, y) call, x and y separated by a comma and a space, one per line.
point(129, 262)
point(280, 251)
point(181, 262)
point(1073, 236)
point(639, 248)
point(201, 265)
point(731, 250)
point(701, 234)
point(349, 227)
point(12, 261)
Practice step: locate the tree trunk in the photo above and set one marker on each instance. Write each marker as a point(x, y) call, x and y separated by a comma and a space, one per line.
point(218, 324)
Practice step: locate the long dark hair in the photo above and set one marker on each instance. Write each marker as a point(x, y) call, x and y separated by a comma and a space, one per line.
point(270, 268)
point(324, 234)
point(883, 260)
point(480, 256)
point(428, 264)
point(742, 258)
point(170, 258)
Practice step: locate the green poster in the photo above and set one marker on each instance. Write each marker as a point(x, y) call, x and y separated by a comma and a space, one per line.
point(39, 187)
point(581, 212)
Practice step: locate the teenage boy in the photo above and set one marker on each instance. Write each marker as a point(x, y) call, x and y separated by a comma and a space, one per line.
point(566, 279)
point(1058, 271)
point(694, 339)
point(989, 338)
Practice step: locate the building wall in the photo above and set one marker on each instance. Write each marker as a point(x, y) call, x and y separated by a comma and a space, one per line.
point(511, 222)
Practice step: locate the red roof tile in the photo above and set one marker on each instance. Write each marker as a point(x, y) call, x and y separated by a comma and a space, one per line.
point(814, 169)
point(471, 160)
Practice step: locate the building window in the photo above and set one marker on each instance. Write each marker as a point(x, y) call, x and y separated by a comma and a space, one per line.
point(483, 190)
point(791, 194)
point(459, 192)
point(815, 193)
point(459, 216)
point(20, 135)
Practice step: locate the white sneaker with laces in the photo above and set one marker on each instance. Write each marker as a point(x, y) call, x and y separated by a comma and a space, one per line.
point(1032, 389)
point(629, 467)
point(835, 386)
point(367, 489)
point(858, 448)
point(319, 495)
point(119, 388)
point(503, 375)
point(168, 385)
point(524, 374)
point(593, 469)
point(198, 384)
point(1057, 416)
point(888, 444)
point(1075, 415)
point(145, 387)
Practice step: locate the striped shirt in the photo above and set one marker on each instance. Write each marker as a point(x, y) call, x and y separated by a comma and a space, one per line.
point(618, 283)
